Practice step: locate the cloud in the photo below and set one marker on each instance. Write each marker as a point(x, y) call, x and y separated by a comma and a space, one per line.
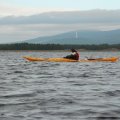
point(71, 17)
point(17, 28)
point(24, 11)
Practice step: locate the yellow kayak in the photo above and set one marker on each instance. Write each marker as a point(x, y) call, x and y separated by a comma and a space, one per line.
point(32, 59)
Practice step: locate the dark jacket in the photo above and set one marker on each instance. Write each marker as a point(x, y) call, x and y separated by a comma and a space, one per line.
point(74, 56)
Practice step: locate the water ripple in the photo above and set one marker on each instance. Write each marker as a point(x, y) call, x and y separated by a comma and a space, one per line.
point(58, 91)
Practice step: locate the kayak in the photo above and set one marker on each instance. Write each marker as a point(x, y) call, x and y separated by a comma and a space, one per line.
point(32, 59)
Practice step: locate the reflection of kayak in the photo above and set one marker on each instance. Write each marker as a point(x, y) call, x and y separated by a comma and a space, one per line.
point(32, 59)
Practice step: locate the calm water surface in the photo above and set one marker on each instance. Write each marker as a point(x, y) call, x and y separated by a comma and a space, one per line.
point(58, 91)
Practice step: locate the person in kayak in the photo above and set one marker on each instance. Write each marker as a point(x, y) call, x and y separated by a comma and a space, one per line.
point(75, 55)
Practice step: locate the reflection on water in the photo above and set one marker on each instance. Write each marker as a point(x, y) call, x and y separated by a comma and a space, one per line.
point(58, 91)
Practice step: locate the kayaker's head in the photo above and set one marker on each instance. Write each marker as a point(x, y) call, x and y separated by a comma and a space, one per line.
point(73, 50)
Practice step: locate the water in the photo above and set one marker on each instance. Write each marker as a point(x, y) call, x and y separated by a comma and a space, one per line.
point(58, 91)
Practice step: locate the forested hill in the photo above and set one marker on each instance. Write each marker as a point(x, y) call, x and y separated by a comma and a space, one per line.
point(30, 46)
point(80, 37)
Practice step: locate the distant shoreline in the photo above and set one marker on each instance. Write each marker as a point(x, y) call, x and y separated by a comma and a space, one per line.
point(58, 47)
point(59, 50)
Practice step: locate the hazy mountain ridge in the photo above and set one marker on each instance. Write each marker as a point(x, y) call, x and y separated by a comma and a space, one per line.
point(81, 37)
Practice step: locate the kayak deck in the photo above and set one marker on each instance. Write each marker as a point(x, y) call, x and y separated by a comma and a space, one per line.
point(32, 59)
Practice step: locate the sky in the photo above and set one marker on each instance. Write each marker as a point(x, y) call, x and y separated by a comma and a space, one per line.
point(28, 7)
point(23, 31)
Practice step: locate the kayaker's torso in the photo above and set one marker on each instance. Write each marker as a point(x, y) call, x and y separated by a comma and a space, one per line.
point(76, 56)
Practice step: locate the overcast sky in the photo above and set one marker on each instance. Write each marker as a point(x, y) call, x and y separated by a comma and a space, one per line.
point(26, 19)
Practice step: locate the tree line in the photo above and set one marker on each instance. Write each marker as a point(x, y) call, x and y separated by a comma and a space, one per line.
point(30, 46)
